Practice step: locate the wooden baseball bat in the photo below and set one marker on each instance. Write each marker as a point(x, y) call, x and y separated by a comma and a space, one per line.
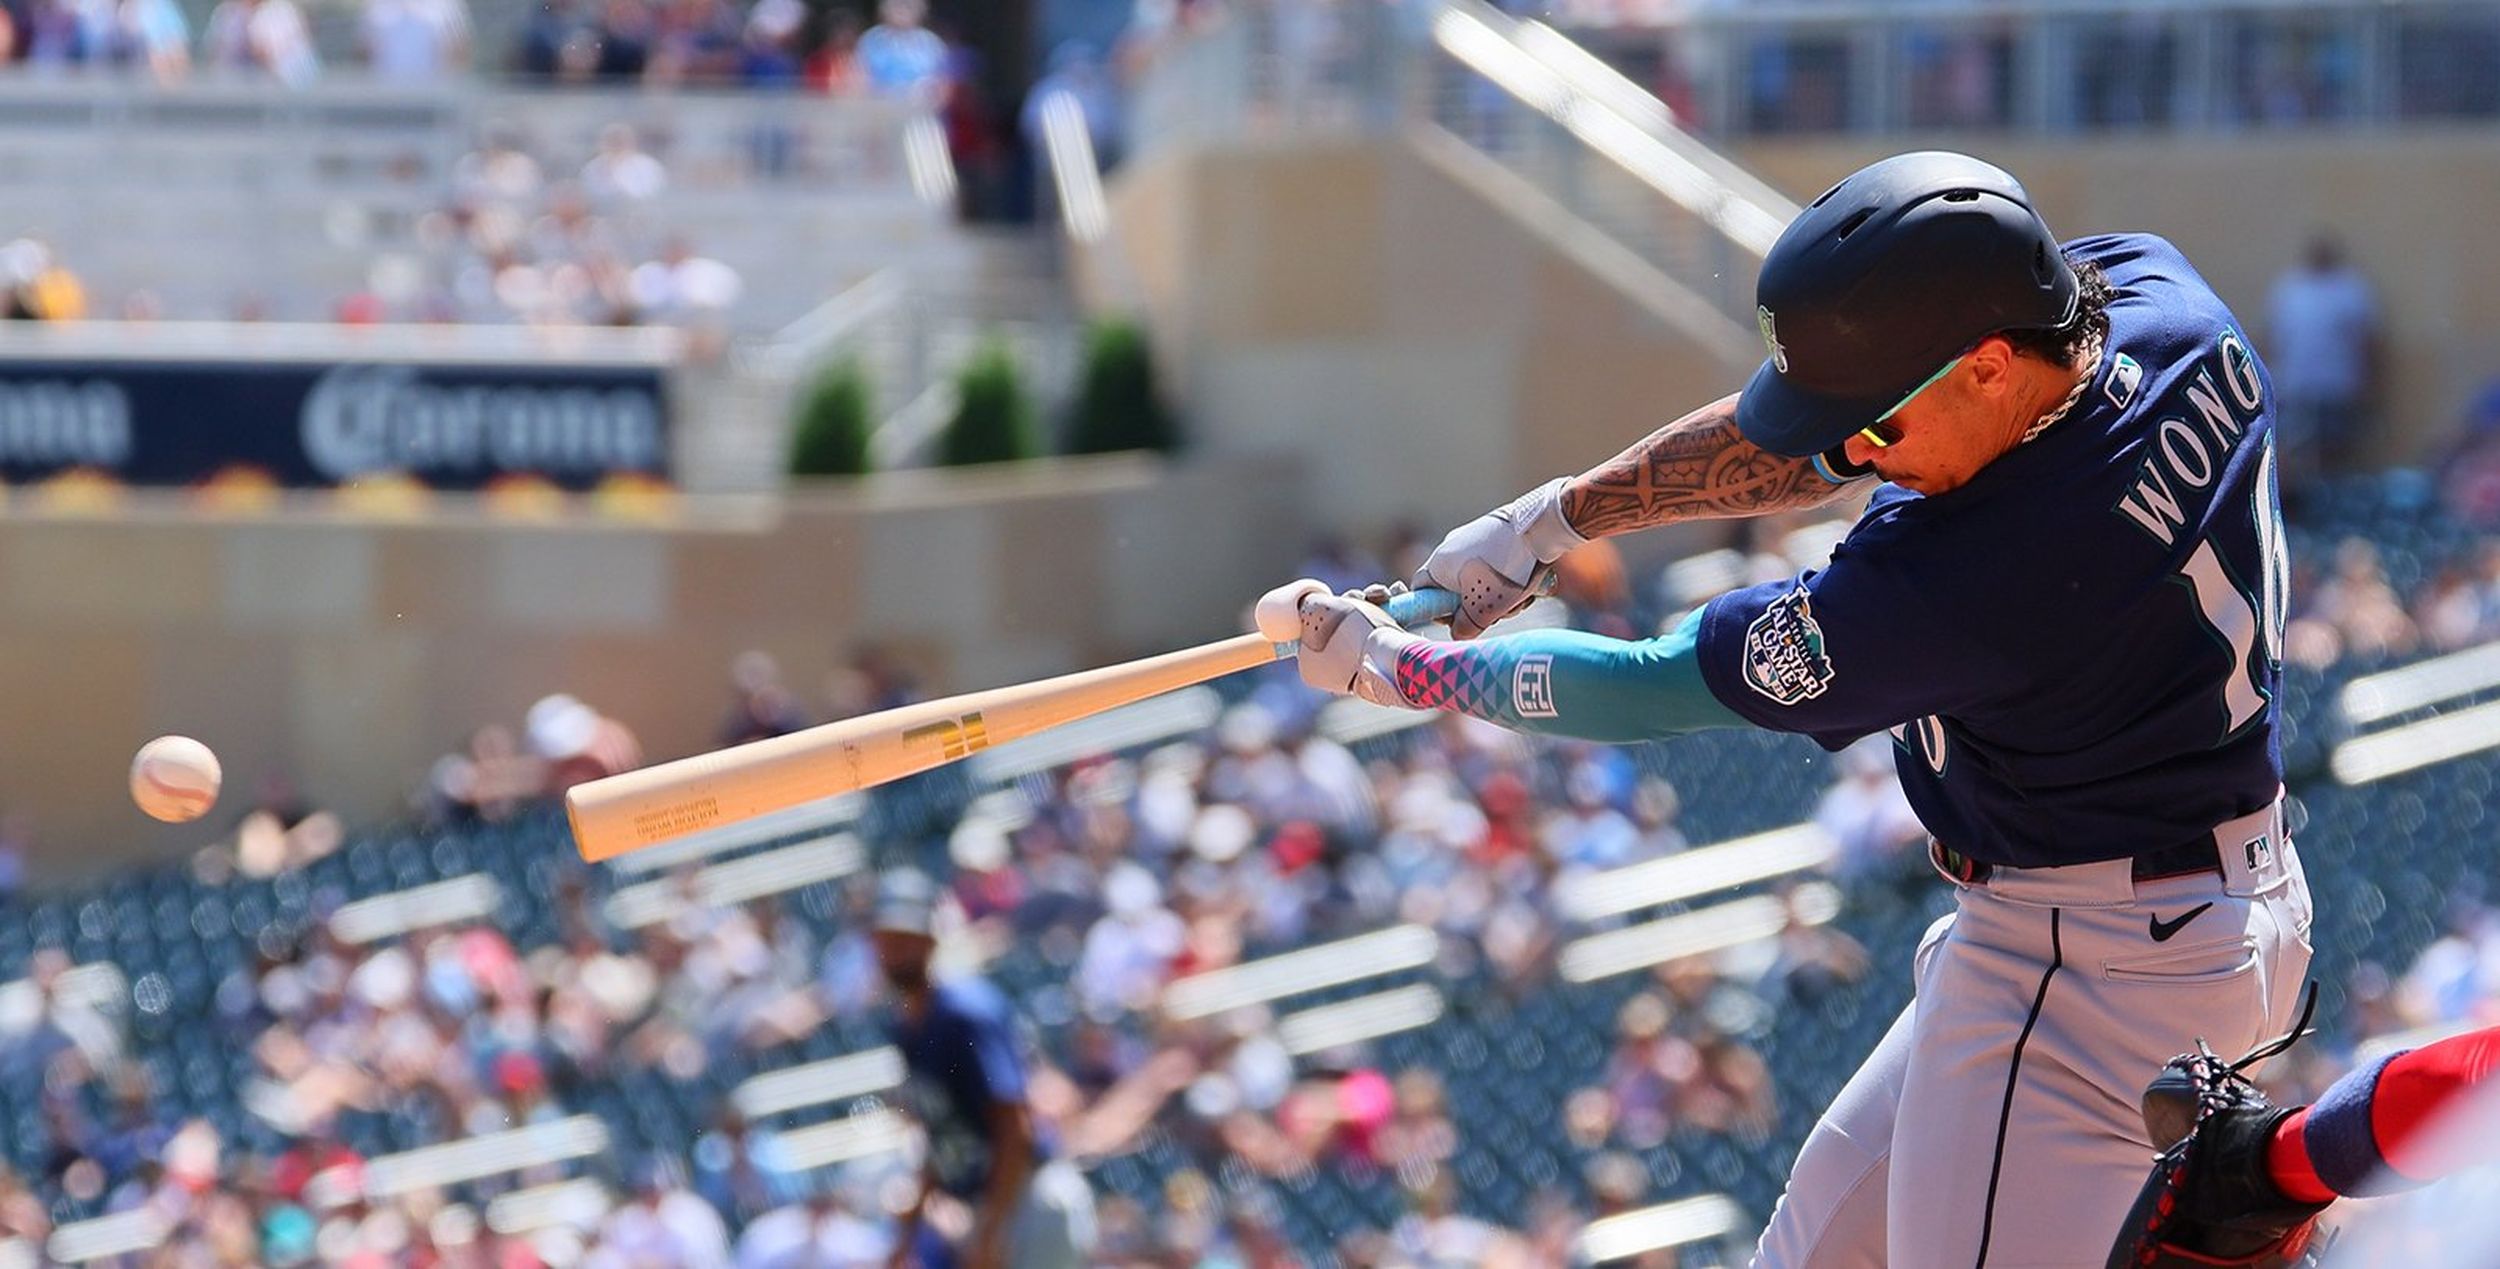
point(636, 809)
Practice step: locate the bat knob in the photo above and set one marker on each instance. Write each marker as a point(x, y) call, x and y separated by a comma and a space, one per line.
point(1279, 613)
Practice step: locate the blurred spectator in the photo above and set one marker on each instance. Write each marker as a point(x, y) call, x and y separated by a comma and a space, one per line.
point(488, 782)
point(1587, 833)
point(620, 45)
point(768, 52)
point(2354, 613)
point(622, 171)
point(693, 41)
point(1727, 1089)
point(1655, 806)
point(1872, 827)
point(1129, 952)
point(822, 1231)
point(416, 41)
point(683, 286)
point(2456, 979)
point(553, 26)
point(1076, 70)
point(2451, 610)
point(266, 37)
point(834, 68)
point(760, 706)
point(1639, 1093)
point(55, 35)
point(579, 743)
point(150, 34)
point(1419, 1135)
point(665, 1224)
point(40, 287)
point(284, 831)
point(1814, 958)
point(967, 1088)
point(53, 1032)
point(2469, 472)
point(899, 57)
point(2324, 352)
point(500, 170)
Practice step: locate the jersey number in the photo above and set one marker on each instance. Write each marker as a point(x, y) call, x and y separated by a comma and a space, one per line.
point(2251, 625)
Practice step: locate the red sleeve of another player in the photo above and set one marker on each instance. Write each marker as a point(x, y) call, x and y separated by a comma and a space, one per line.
point(2379, 1129)
point(2413, 1092)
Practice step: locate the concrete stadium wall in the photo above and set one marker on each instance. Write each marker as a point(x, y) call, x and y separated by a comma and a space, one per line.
point(1438, 334)
point(2415, 207)
point(349, 653)
point(1432, 332)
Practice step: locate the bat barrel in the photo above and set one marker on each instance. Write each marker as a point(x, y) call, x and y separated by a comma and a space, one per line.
point(658, 804)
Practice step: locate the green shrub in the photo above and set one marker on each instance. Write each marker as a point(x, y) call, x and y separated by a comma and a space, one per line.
point(1117, 405)
point(830, 437)
point(993, 421)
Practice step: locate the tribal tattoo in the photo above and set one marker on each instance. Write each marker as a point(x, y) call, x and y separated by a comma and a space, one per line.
point(1696, 468)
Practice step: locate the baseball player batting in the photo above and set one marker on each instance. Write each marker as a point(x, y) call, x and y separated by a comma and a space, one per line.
point(2064, 601)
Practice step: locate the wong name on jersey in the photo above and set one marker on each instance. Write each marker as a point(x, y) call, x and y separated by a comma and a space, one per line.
point(2188, 454)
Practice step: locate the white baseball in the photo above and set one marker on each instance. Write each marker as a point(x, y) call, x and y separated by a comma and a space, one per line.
point(175, 779)
point(1279, 614)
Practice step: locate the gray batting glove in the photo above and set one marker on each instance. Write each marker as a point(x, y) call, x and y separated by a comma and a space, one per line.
point(1497, 562)
point(1350, 647)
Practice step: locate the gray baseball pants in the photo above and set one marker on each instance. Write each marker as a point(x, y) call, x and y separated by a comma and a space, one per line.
point(1997, 1124)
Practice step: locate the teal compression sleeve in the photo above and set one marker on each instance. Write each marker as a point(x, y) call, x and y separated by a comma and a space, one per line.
point(1568, 683)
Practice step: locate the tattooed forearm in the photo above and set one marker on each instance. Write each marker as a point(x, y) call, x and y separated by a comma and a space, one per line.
point(1696, 468)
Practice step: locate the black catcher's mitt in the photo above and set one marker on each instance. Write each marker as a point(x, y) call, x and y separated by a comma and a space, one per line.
point(2210, 1201)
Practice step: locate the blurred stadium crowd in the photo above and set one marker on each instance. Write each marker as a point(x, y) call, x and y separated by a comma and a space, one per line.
point(766, 44)
point(257, 1076)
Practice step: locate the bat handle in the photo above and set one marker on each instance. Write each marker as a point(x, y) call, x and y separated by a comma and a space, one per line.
point(1432, 603)
point(1416, 607)
point(1427, 604)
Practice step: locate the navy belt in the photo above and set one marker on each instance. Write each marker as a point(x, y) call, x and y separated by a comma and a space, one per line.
point(2184, 859)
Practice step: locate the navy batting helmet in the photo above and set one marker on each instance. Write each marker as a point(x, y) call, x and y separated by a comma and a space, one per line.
point(1882, 282)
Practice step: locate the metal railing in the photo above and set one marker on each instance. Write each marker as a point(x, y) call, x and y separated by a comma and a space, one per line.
point(2054, 66)
point(1610, 153)
point(1569, 126)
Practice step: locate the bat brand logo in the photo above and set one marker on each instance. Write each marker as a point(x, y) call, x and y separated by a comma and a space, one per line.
point(1532, 687)
point(955, 736)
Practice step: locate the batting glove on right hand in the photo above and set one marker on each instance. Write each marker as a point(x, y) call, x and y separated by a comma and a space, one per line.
point(1349, 646)
point(1497, 562)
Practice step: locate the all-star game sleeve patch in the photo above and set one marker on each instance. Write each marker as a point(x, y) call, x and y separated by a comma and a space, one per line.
point(1784, 657)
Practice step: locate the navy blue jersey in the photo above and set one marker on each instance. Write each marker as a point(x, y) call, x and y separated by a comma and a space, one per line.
point(2076, 652)
point(961, 1059)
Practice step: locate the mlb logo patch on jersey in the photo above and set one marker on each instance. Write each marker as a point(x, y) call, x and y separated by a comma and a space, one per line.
point(1784, 658)
point(2124, 375)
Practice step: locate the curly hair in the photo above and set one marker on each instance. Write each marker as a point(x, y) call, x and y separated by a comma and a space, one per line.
point(2062, 344)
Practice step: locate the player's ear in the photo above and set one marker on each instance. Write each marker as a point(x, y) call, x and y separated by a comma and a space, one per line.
point(1990, 365)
